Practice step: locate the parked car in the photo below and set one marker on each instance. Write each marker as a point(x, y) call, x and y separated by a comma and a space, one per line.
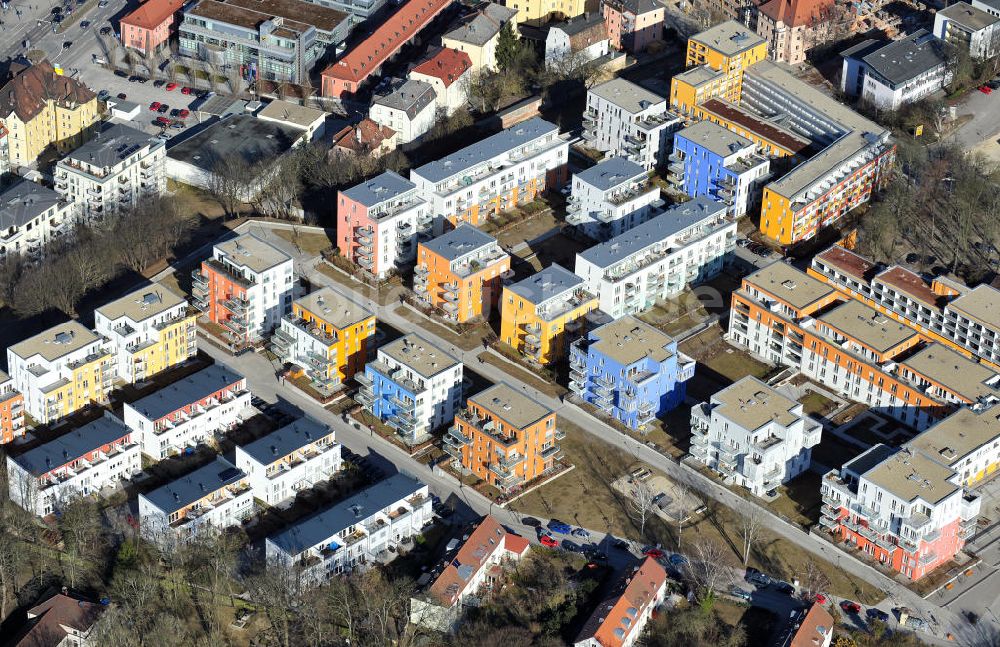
point(820, 598)
point(558, 526)
point(785, 587)
point(178, 125)
point(742, 594)
point(103, 95)
point(678, 560)
point(186, 90)
point(164, 109)
point(122, 96)
point(548, 540)
point(877, 614)
point(104, 32)
point(531, 521)
point(985, 89)
point(162, 121)
point(581, 533)
point(102, 4)
point(171, 87)
point(850, 607)
point(159, 83)
point(621, 544)
point(183, 113)
point(653, 552)
point(572, 547)
point(153, 107)
point(84, 24)
point(757, 578)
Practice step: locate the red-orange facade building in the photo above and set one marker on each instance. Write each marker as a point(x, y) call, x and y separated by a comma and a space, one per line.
point(11, 410)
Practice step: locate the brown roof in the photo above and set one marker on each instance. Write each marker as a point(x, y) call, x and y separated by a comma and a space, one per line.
point(848, 262)
point(152, 13)
point(364, 136)
point(616, 617)
point(448, 65)
point(808, 634)
point(784, 138)
point(910, 284)
point(298, 15)
point(795, 13)
point(27, 94)
point(52, 615)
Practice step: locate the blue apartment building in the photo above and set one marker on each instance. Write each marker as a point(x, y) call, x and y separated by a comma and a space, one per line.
point(631, 370)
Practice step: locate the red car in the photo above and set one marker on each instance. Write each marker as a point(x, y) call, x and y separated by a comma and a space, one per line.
point(548, 540)
point(850, 607)
point(655, 553)
point(185, 90)
point(162, 121)
point(153, 107)
point(183, 114)
point(820, 598)
point(985, 89)
point(171, 87)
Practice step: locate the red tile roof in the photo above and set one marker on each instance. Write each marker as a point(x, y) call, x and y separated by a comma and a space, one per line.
point(52, 615)
point(365, 136)
point(910, 284)
point(447, 65)
point(848, 262)
point(366, 57)
point(795, 13)
point(616, 618)
point(814, 628)
point(152, 13)
point(27, 94)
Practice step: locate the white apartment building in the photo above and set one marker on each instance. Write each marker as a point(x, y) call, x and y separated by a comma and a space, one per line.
point(355, 532)
point(969, 29)
point(686, 244)
point(627, 120)
point(380, 222)
point(610, 198)
point(188, 412)
point(112, 171)
point(217, 495)
point(60, 371)
point(31, 217)
point(893, 74)
point(79, 463)
point(753, 436)
point(495, 174)
point(409, 109)
point(148, 331)
point(413, 385)
point(292, 458)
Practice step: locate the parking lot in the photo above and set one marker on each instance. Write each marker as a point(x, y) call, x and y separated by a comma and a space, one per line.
point(145, 94)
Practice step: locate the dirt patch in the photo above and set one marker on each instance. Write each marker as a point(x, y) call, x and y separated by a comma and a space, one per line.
point(536, 381)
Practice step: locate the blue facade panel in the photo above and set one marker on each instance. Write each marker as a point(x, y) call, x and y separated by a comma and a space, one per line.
point(703, 169)
point(389, 396)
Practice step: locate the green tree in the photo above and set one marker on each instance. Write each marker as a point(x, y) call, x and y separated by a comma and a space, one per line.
point(507, 48)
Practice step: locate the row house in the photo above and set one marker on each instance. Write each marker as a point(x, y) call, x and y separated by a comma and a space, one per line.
point(215, 496)
point(413, 386)
point(477, 567)
point(541, 314)
point(630, 371)
point(461, 273)
point(687, 244)
point(290, 459)
point(354, 533)
point(31, 217)
point(112, 173)
point(246, 287)
point(188, 412)
point(962, 318)
point(380, 222)
point(620, 618)
point(11, 410)
point(610, 198)
point(149, 331)
point(753, 435)
point(505, 438)
point(61, 371)
point(326, 337)
point(82, 462)
point(623, 119)
point(496, 174)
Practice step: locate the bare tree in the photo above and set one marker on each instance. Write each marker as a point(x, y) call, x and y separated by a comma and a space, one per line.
point(80, 526)
point(752, 520)
point(308, 90)
point(11, 558)
point(641, 502)
point(708, 568)
point(814, 580)
point(228, 183)
point(484, 90)
point(278, 590)
point(685, 502)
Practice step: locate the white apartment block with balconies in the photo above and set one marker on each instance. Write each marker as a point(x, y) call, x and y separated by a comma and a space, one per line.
point(112, 172)
point(687, 244)
point(82, 462)
point(753, 436)
point(624, 119)
point(189, 411)
point(355, 532)
point(287, 460)
point(31, 217)
point(610, 198)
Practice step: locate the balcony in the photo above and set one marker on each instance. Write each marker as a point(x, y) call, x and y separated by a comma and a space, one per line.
point(312, 329)
point(236, 305)
point(551, 451)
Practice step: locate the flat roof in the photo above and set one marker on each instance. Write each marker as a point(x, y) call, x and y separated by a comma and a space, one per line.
point(282, 442)
point(675, 219)
point(550, 282)
point(334, 308)
point(849, 263)
point(292, 113)
point(185, 391)
point(419, 355)
point(730, 38)
point(958, 435)
point(23, 201)
point(982, 303)
point(247, 250)
point(789, 284)
point(328, 523)
point(715, 138)
point(55, 342)
point(628, 340)
point(763, 128)
point(379, 189)
point(239, 135)
point(909, 475)
point(72, 445)
point(968, 16)
point(867, 326)
point(751, 404)
point(954, 371)
point(194, 486)
point(458, 242)
point(113, 144)
point(698, 75)
point(612, 172)
point(628, 96)
point(911, 284)
point(296, 15)
point(486, 149)
point(139, 305)
point(511, 405)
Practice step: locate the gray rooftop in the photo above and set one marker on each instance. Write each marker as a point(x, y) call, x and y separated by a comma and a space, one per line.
point(629, 340)
point(955, 372)
point(628, 96)
point(611, 173)
point(982, 303)
point(637, 7)
point(292, 113)
point(326, 525)
point(334, 308)
point(550, 282)
point(900, 60)
point(458, 242)
point(697, 75)
point(910, 475)
point(411, 97)
point(789, 284)
point(55, 342)
point(240, 135)
point(730, 38)
point(197, 485)
point(72, 445)
point(483, 26)
point(139, 305)
point(579, 24)
point(24, 201)
point(511, 405)
point(715, 138)
point(751, 404)
point(962, 433)
point(484, 150)
point(674, 220)
point(247, 250)
point(188, 390)
point(123, 105)
point(419, 355)
point(112, 145)
point(282, 442)
point(867, 326)
point(379, 189)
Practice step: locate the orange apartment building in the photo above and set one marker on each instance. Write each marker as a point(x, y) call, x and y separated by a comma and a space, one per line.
point(505, 438)
point(148, 28)
point(11, 410)
point(461, 273)
point(790, 318)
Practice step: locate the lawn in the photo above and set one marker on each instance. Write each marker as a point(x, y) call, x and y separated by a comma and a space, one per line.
point(535, 380)
point(383, 295)
point(834, 452)
point(469, 339)
point(799, 499)
point(311, 243)
point(522, 225)
point(727, 361)
point(817, 403)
